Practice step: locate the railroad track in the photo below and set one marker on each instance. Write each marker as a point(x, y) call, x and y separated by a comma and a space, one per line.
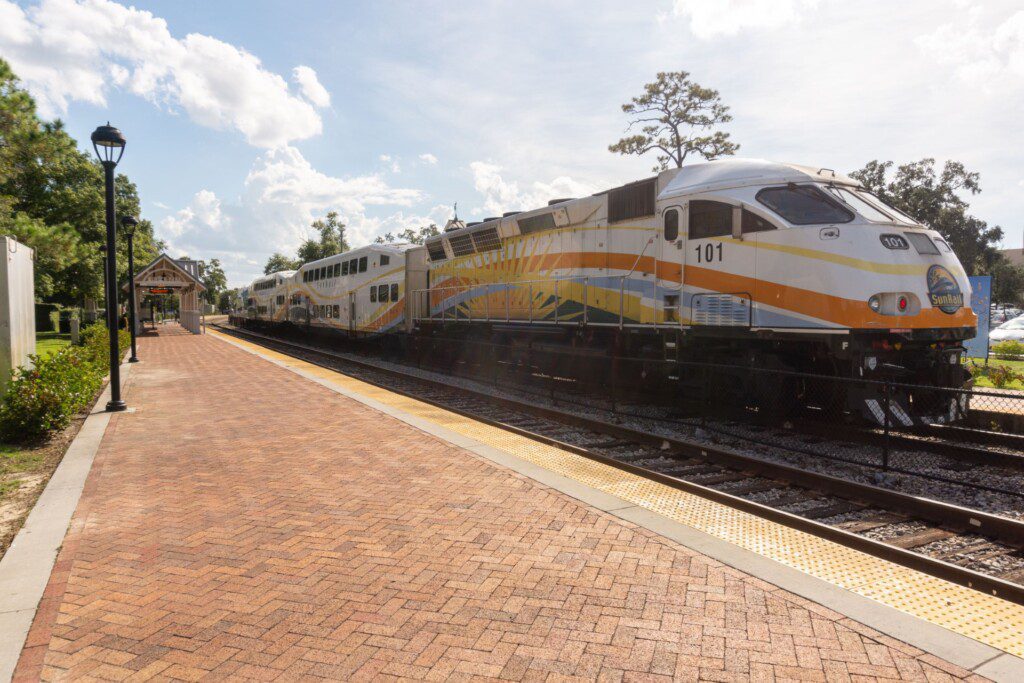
point(959, 544)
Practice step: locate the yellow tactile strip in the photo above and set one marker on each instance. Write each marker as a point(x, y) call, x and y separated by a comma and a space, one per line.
point(982, 617)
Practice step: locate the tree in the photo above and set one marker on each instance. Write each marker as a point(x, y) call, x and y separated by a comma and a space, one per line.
point(226, 300)
point(332, 240)
point(676, 117)
point(409, 235)
point(213, 278)
point(936, 199)
point(51, 198)
point(278, 262)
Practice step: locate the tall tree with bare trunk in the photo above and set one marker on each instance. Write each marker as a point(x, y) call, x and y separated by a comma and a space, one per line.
point(676, 118)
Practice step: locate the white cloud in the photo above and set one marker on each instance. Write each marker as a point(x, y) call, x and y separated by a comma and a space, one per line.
point(391, 163)
point(714, 18)
point(500, 195)
point(202, 213)
point(75, 50)
point(428, 158)
point(310, 85)
point(282, 194)
point(983, 50)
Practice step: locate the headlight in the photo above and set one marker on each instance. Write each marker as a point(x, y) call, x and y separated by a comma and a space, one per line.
point(875, 303)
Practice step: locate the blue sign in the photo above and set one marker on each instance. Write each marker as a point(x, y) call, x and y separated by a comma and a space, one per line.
point(981, 301)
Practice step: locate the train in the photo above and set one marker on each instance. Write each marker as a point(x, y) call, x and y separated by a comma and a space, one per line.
point(732, 263)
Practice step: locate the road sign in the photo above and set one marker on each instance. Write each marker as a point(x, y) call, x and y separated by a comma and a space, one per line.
point(981, 300)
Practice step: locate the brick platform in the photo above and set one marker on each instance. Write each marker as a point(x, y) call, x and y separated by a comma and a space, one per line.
point(247, 522)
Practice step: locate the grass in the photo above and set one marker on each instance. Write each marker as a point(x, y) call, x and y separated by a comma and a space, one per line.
point(49, 343)
point(1015, 365)
point(15, 460)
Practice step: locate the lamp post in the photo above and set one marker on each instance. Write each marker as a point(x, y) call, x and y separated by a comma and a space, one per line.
point(103, 261)
point(129, 223)
point(109, 144)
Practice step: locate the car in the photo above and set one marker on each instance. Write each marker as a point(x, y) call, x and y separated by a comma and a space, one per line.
point(1010, 330)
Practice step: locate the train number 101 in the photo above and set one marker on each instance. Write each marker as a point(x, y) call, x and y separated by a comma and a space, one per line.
point(708, 253)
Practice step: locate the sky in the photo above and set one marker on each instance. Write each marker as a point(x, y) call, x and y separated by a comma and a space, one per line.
point(247, 120)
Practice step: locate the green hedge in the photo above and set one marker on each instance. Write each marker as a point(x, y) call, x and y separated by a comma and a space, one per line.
point(96, 343)
point(42, 399)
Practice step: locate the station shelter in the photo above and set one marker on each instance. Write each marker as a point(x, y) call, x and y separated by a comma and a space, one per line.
point(165, 275)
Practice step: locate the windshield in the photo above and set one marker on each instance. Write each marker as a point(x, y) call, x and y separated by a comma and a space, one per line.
point(804, 205)
point(869, 206)
point(861, 206)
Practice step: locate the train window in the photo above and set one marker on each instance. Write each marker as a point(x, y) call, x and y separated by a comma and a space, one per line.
point(394, 291)
point(486, 239)
point(323, 272)
point(861, 205)
point(337, 269)
point(545, 221)
point(672, 225)
point(382, 293)
point(435, 250)
point(385, 260)
point(943, 245)
point(373, 295)
point(804, 205)
point(709, 219)
point(344, 268)
point(754, 223)
point(304, 274)
point(337, 311)
point(362, 264)
point(922, 243)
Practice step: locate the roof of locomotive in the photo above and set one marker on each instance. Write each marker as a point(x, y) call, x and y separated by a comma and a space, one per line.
point(726, 173)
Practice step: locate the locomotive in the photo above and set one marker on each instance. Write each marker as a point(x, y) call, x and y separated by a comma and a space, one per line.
point(736, 262)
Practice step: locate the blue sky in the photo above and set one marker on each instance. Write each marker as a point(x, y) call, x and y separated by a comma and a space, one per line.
point(246, 120)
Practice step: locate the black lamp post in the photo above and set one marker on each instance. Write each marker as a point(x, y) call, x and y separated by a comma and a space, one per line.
point(103, 261)
point(109, 144)
point(129, 223)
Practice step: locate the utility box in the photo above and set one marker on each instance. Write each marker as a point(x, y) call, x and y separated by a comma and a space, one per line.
point(17, 309)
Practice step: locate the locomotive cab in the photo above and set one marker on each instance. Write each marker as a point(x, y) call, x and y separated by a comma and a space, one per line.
point(772, 252)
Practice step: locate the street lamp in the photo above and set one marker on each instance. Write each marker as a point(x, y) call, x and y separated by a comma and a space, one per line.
point(129, 224)
point(109, 144)
point(103, 261)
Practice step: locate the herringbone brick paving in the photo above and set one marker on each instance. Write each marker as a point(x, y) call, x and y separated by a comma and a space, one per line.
point(248, 523)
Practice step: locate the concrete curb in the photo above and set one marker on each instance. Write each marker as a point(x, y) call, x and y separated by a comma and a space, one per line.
point(25, 568)
point(958, 649)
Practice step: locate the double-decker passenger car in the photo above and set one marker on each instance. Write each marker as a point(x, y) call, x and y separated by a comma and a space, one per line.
point(359, 292)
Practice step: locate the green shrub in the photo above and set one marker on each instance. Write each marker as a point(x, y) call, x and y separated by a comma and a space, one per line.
point(1002, 375)
point(44, 398)
point(97, 347)
point(1008, 348)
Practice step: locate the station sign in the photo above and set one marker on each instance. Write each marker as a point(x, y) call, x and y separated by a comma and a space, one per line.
point(159, 290)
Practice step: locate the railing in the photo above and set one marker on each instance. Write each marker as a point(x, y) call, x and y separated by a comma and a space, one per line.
point(191, 320)
point(567, 300)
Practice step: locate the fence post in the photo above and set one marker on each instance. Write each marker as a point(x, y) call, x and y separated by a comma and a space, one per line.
point(586, 297)
point(705, 399)
point(558, 301)
point(886, 398)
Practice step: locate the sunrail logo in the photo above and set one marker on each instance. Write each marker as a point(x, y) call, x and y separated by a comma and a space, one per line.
point(943, 291)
